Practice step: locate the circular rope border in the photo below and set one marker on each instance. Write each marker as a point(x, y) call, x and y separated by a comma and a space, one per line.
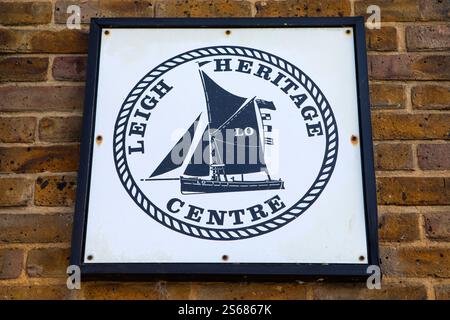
point(169, 221)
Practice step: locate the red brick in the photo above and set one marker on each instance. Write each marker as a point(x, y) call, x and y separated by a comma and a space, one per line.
point(250, 291)
point(431, 97)
point(388, 126)
point(434, 156)
point(428, 38)
point(384, 39)
point(388, 96)
point(32, 228)
point(390, 156)
point(60, 129)
point(388, 291)
point(209, 8)
point(103, 8)
point(400, 227)
point(23, 13)
point(17, 129)
point(34, 292)
point(413, 190)
point(40, 98)
point(437, 226)
point(15, 192)
point(442, 291)
point(411, 66)
point(406, 10)
point(48, 262)
point(55, 191)
point(43, 41)
point(39, 159)
point(415, 261)
point(71, 68)
point(303, 8)
point(23, 69)
point(11, 261)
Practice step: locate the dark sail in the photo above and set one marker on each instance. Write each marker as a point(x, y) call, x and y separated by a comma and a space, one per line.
point(168, 164)
point(199, 164)
point(241, 151)
point(234, 134)
point(221, 104)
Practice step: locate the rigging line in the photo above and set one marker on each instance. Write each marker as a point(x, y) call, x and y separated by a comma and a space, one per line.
point(159, 179)
point(241, 108)
point(215, 143)
point(208, 109)
point(263, 136)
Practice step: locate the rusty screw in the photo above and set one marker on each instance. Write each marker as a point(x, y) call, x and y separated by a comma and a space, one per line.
point(106, 32)
point(99, 139)
point(90, 257)
point(354, 139)
point(225, 257)
point(228, 32)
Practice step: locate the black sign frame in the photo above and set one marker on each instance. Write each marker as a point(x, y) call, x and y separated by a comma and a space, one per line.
point(225, 271)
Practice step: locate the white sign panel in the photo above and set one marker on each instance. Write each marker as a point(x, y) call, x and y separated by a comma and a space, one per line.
point(226, 147)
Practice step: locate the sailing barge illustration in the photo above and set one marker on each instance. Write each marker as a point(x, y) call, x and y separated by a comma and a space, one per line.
point(226, 111)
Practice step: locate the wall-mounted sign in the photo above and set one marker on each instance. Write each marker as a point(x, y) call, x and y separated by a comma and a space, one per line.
point(226, 147)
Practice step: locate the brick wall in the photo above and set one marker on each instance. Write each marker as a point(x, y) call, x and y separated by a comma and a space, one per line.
point(42, 71)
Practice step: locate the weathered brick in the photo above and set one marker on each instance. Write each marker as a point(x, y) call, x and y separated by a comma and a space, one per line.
point(415, 261)
point(48, 262)
point(63, 41)
point(390, 156)
point(17, 129)
point(384, 39)
point(29, 228)
point(11, 261)
point(55, 191)
point(15, 192)
point(413, 190)
point(72, 68)
point(400, 227)
point(209, 8)
point(39, 159)
point(123, 291)
point(39, 98)
point(60, 129)
point(406, 10)
point(437, 225)
point(428, 38)
point(302, 8)
point(10, 39)
point(389, 96)
point(442, 291)
point(388, 126)
point(431, 97)
point(389, 291)
point(434, 156)
point(23, 69)
point(22, 13)
point(103, 8)
point(250, 291)
point(409, 66)
point(43, 41)
point(34, 292)
point(175, 290)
